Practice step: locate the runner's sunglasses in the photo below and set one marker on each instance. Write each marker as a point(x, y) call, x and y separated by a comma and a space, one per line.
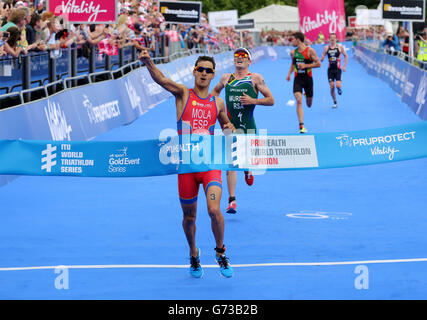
point(201, 69)
point(241, 54)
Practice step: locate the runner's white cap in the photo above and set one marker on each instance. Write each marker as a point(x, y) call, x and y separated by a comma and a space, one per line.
point(244, 50)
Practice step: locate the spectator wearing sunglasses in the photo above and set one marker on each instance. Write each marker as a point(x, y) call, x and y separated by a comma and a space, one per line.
point(6, 11)
point(17, 18)
point(241, 96)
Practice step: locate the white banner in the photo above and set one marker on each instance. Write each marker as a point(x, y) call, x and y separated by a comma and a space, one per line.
point(223, 18)
point(371, 17)
point(275, 152)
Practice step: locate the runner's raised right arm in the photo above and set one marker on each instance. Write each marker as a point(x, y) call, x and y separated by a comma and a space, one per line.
point(178, 90)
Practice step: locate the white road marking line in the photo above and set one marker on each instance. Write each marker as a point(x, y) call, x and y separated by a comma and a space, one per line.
point(254, 265)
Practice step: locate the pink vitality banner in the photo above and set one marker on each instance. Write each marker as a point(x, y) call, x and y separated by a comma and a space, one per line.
point(326, 16)
point(85, 11)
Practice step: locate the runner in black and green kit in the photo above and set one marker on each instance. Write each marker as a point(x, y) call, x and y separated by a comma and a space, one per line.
point(241, 97)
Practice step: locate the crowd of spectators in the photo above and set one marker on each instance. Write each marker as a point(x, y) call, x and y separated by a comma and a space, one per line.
point(284, 38)
point(27, 27)
point(392, 42)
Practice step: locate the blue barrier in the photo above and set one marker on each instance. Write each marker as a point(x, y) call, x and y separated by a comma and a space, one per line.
point(85, 112)
point(408, 81)
point(194, 153)
point(40, 66)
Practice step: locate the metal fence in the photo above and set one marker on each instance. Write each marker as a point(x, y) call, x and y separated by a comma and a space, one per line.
point(38, 75)
point(376, 46)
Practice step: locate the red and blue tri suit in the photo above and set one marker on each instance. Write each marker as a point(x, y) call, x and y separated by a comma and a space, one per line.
point(199, 117)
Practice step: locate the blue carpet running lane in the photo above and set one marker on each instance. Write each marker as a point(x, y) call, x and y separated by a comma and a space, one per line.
point(318, 234)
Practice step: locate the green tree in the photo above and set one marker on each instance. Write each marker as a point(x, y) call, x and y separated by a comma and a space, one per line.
point(350, 5)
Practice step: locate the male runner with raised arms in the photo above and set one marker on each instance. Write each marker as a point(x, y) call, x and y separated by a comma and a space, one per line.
point(191, 104)
point(241, 96)
point(334, 51)
point(304, 59)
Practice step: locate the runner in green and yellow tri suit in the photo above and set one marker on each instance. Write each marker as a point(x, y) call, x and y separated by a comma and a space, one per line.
point(241, 97)
point(242, 116)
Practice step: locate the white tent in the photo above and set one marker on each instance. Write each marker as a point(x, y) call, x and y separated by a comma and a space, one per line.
point(276, 17)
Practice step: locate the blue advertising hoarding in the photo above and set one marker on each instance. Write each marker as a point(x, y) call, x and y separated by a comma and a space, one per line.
point(194, 153)
point(79, 114)
point(408, 81)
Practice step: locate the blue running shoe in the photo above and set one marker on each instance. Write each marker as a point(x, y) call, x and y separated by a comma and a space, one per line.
point(225, 268)
point(196, 269)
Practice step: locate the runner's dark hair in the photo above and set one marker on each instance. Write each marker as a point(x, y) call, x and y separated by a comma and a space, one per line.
point(205, 58)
